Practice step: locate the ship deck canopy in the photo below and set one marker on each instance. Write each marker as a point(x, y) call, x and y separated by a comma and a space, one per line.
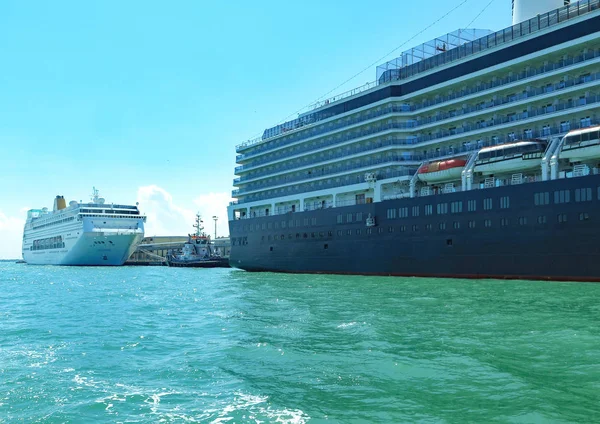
point(431, 48)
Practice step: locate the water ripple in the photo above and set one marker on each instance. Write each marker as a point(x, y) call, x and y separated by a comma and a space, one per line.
point(136, 344)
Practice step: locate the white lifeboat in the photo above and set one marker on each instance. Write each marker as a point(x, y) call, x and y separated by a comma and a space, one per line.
point(581, 144)
point(439, 171)
point(505, 158)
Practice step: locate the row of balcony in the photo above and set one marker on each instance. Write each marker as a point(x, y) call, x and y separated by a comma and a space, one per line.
point(465, 129)
point(518, 77)
point(529, 94)
point(509, 34)
point(354, 179)
point(439, 154)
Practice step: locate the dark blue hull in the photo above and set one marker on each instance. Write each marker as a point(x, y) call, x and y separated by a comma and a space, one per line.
point(526, 234)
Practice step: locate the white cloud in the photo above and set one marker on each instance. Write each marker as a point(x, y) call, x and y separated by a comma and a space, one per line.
point(165, 218)
point(11, 234)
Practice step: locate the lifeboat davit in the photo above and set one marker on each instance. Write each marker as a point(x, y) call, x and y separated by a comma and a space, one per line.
point(440, 171)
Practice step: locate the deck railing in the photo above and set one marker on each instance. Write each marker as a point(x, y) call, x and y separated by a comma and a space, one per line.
point(526, 134)
point(481, 107)
point(515, 32)
point(563, 128)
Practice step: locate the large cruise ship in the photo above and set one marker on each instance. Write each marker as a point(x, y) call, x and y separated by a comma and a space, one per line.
point(94, 233)
point(474, 155)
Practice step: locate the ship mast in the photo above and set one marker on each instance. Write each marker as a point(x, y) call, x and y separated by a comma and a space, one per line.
point(95, 196)
point(198, 225)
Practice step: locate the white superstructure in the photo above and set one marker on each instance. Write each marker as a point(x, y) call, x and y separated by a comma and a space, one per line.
point(526, 85)
point(527, 9)
point(94, 233)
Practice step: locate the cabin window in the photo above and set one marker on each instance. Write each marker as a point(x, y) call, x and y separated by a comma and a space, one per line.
point(349, 217)
point(487, 223)
point(561, 217)
point(471, 224)
point(541, 198)
point(340, 232)
point(380, 230)
point(487, 204)
point(584, 216)
point(428, 227)
point(313, 221)
point(359, 217)
point(562, 196)
point(390, 229)
point(403, 212)
point(456, 207)
point(522, 220)
point(456, 225)
point(306, 222)
point(442, 226)
point(415, 211)
point(541, 219)
point(283, 224)
point(442, 208)
point(391, 213)
point(504, 222)
point(340, 219)
point(429, 208)
point(415, 228)
point(583, 194)
point(472, 205)
point(358, 231)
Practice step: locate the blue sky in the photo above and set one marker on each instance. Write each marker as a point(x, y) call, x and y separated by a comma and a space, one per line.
point(146, 100)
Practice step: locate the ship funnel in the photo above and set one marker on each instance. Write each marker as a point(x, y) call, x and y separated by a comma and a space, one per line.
point(523, 10)
point(59, 203)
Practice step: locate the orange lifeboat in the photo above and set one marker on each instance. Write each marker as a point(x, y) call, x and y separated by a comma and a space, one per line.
point(440, 171)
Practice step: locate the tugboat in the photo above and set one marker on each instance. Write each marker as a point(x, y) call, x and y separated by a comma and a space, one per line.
point(198, 252)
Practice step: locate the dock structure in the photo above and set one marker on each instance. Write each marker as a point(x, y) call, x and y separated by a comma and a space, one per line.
point(154, 250)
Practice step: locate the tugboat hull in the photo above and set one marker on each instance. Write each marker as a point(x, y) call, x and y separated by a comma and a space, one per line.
point(204, 263)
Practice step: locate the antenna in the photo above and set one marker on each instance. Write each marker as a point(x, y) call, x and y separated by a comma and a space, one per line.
point(95, 196)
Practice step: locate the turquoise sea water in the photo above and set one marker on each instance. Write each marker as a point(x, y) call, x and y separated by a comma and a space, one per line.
point(157, 344)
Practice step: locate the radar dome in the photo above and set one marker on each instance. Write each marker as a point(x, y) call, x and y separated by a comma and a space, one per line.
point(101, 200)
point(73, 203)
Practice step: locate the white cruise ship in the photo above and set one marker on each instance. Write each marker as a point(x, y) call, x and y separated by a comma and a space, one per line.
point(476, 154)
point(94, 233)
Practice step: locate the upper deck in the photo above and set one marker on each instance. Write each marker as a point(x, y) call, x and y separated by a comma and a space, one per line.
point(437, 58)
